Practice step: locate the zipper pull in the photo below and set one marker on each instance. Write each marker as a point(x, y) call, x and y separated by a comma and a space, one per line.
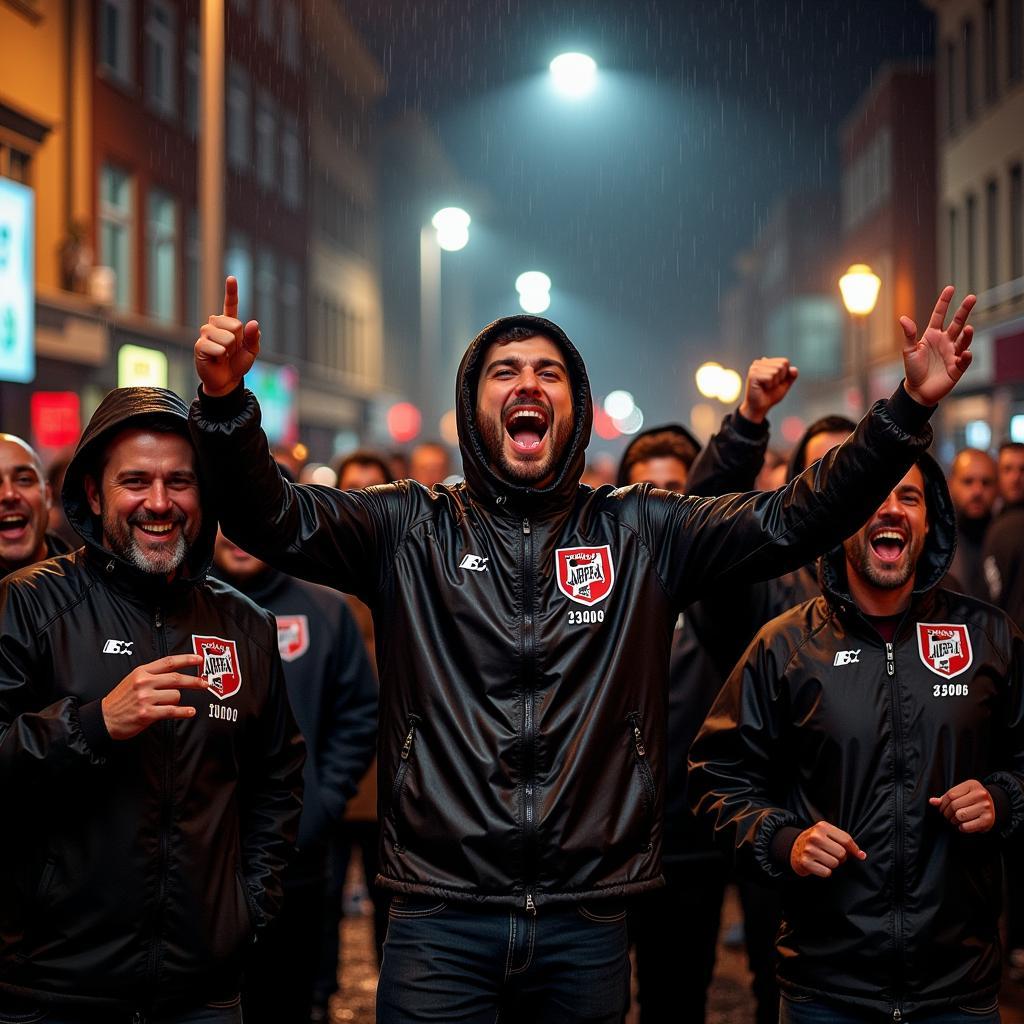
point(407, 745)
point(526, 527)
point(641, 750)
point(531, 907)
point(890, 667)
point(159, 619)
point(896, 1015)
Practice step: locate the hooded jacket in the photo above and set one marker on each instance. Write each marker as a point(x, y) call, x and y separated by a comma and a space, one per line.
point(136, 872)
point(523, 633)
point(823, 720)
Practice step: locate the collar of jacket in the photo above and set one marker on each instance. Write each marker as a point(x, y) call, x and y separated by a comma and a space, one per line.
point(936, 555)
point(487, 486)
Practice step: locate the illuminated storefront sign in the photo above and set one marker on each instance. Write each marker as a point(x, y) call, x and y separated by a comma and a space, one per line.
point(56, 418)
point(141, 367)
point(17, 288)
point(276, 387)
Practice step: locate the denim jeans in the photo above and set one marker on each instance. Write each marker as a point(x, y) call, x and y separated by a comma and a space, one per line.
point(447, 963)
point(17, 1011)
point(800, 1011)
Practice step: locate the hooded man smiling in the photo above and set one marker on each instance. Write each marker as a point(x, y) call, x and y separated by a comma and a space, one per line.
point(524, 624)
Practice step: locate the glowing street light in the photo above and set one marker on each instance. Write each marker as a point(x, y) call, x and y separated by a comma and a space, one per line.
point(859, 287)
point(729, 387)
point(452, 227)
point(534, 290)
point(715, 381)
point(619, 405)
point(574, 74)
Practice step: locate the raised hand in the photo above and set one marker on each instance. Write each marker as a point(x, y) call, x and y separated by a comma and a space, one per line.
point(768, 382)
point(820, 849)
point(934, 362)
point(150, 693)
point(226, 348)
point(969, 806)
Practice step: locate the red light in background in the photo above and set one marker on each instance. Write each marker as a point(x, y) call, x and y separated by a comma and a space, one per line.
point(604, 426)
point(56, 419)
point(403, 421)
point(793, 429)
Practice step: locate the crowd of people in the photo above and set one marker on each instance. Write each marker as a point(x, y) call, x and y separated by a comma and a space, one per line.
point(587, 709)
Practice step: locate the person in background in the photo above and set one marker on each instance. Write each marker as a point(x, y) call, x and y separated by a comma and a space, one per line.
point(333, 694)
point(430, 463)
point(361, 468)
point(972, 486)
point(868, 752)
point(25, 503)
point(59, 525)
point(1011, 473)
point(774, 472)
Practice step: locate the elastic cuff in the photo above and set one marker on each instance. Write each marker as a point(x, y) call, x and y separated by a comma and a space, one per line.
point(94, 729)
point(748, 428)
point(225, 407)
point(1003, 804)
point(782, 846)
point(908, 414)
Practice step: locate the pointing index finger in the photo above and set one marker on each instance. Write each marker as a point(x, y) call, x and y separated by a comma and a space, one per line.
point(231, 297)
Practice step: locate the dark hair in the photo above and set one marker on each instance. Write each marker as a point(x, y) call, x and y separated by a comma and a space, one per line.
point(156, 423)
point(660, 444)
point(362, 457)
point(520, 332)
point(825, 425)
point(1011, 446)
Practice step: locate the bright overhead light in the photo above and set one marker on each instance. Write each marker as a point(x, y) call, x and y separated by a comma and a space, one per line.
point(574, 74)
point(534, 302)
point(534, 290)
point(859, 287)
point(452, 227)
point(632, 423)
point(619, 404)
point(729, 386)
point(715, 381)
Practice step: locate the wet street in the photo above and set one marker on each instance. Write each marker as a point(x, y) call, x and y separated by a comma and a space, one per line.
point(729, 999)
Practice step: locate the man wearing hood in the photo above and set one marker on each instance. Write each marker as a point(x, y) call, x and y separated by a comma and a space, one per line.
point(524, 625)
point(150, 763)
point(868, 751)
point(25, 502)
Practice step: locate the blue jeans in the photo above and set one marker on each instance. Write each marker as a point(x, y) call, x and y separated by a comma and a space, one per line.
point(800, 1011)
point(17, 1011)
point(456, 964)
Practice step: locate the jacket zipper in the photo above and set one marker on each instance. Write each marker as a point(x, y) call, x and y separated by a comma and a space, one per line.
point(897, 734)
point(399, 783)
point(646, 775)
point(166, 811)
point(529, 726)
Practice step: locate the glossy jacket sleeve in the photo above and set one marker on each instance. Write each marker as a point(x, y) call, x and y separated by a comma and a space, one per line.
point(739, 538)
point(342, 539)
point(731, 459)
point(733, 761)
point(270, 791)
point(1009, 774)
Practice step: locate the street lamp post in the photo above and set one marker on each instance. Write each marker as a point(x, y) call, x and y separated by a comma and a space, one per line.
point(859, 287)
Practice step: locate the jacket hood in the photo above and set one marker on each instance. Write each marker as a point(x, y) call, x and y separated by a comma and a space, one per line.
point(122, 408)
point(622, 477)
point(939, 543)
point(482, 478)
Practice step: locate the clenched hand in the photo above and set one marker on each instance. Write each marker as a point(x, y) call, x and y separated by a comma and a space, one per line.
point(150, 693)
point(820, 849)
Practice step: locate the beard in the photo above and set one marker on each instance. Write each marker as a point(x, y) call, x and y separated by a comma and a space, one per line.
point(158, 561)
point(890, 576)
point(525, 472)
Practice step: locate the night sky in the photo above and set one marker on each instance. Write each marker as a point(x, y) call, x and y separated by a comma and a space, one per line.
point(637, 199)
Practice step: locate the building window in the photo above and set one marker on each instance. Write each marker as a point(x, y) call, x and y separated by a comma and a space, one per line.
point(972, 243)
point(15, 164)
point(292, 330)
point(238, 261)
point(953, 240)
point(161, 57)
point(116, 39)
point(992, 232)
point(193, 299)
point(291, 49)
point(117, 219)
point(291, 162)
point(192, 80)
point(1015, 40)
point(951, 92)
point(1016, 223)
point(161, 255)
point(266, 298)
point(266, 136)
point(969, 69)
point(991, 68)
point(238, 104)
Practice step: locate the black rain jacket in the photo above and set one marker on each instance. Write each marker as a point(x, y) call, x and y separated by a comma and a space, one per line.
point(133, 874)
point(822, 720)
point(523, 633)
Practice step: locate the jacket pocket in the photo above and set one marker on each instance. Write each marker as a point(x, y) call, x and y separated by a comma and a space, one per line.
point(649, 793)
point(401, 773)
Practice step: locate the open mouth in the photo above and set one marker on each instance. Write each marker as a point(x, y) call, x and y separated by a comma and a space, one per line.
point(527, 426)
point(156, 530)
point(888, 544)
point(13, 524)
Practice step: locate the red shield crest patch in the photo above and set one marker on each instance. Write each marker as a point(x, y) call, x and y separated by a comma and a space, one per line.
point(292, 636)
point(220, 666)
point(585, 575)
point(945, 648)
